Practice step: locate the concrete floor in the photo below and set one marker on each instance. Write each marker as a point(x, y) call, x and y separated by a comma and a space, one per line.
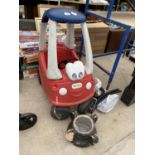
point(115, 129)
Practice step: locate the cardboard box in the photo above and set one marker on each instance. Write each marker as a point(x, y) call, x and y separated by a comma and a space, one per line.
point(98, 33)
point(31, 58)
point(30, 11)
point(31, 73)
point(114, 39)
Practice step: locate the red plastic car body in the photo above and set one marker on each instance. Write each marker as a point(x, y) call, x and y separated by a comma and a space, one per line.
point(76, 90)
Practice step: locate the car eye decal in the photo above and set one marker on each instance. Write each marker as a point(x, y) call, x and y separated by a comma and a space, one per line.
point(80, 69)
point(80, 75)
point(73, 13)
point(71, 71)
point(74, 76)
point(67, 14)
point(75, 71)
point(70, 13)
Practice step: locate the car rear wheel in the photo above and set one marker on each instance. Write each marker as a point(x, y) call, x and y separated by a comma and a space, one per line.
point(60, 113)
point(87, 107)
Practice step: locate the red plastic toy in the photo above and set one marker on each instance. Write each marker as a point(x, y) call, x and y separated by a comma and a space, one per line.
point(65, 79)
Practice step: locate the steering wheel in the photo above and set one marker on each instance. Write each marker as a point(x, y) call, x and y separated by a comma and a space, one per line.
point(62, 63)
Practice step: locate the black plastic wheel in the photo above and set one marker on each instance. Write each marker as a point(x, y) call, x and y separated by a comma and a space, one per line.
point(87, 107)
point(85, 141)
point(102, 91)
point(27, 120)
point(95, 139)
point(82, 142)
point(60, 113)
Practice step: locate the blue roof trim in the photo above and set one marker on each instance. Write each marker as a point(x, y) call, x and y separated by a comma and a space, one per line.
point(64, 15)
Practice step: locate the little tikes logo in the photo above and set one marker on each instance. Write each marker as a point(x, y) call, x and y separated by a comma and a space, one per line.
point(76, 85)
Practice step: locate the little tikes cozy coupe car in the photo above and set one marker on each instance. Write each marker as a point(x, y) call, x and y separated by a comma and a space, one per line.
point(64, 78)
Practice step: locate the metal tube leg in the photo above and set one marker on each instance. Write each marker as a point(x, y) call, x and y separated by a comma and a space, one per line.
point(69, 41)
point(81, 48)
point(108, 85)
point(88, 49)
point(86, 7)
point(125, 35)
point(110, 8)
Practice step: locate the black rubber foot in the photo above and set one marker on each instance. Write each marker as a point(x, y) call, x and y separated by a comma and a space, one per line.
point(27, 120)
point(128, 96)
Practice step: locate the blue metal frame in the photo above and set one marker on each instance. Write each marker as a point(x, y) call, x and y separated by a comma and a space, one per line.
point(122, 45)
point(110, 8)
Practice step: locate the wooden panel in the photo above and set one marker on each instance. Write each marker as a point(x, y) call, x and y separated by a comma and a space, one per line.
point(114, 40)
point(98, 33)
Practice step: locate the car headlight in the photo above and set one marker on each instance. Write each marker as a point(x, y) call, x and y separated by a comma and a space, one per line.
point(88, 85)
point(62, 91)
